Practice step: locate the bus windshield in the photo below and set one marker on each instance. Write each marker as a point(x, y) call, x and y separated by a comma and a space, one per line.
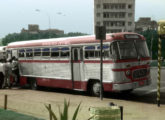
point(129, 49)
point(142, 48)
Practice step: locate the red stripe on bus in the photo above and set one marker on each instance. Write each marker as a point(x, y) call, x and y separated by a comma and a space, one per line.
point(132, 68)
point(45, 61)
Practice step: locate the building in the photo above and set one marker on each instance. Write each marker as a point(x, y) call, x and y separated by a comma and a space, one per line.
point(145, 23)
point(34, 29)
point(116, 15)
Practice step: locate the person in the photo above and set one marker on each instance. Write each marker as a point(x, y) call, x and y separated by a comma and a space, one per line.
point(7, 73)
point(15, 70)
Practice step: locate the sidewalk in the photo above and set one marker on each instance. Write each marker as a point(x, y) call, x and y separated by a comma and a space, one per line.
point(10, 115)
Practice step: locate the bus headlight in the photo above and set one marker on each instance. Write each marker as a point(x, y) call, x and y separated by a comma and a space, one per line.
point(128, 72)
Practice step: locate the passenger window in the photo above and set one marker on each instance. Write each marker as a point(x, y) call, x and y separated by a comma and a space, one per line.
point(46, 52)
point(55, 53)
point(65, 53)
point(29, 53)
point(97, 54)
point(90, 52)
point(37, 52)
point(21, 53)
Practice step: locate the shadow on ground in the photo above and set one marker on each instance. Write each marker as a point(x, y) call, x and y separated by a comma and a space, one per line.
point(135, 96)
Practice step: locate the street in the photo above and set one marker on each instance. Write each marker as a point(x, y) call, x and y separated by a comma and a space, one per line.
point(138, 105)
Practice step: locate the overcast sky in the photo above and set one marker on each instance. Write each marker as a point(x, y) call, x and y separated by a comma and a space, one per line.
point(67, 15)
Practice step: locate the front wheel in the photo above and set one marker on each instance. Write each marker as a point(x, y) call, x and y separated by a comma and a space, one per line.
point(95, 89)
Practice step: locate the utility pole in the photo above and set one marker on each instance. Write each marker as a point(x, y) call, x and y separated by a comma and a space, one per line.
point(161, 32)
point(101, 35)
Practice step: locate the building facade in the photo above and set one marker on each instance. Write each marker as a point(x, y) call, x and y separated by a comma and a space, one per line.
point(145, 23)
point(34, 29)
point(116, 15)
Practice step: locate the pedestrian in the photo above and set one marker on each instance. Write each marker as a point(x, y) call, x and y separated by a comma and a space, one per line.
point(15, 70)
point(7, 74)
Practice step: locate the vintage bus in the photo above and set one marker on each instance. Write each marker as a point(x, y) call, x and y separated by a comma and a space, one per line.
point(74, 62)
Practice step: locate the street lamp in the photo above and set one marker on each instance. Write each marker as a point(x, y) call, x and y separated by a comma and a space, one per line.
point(49, 23)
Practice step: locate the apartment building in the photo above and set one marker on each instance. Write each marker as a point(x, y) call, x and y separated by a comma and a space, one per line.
point(116, 15)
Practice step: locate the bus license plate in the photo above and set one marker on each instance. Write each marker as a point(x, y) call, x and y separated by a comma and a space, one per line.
point(141, 83)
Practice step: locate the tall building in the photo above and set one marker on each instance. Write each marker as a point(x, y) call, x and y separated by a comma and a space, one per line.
point(116, 15)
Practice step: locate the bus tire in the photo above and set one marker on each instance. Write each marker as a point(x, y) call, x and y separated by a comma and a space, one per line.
point(33, 84)
point(1, 80)
point(95, 88)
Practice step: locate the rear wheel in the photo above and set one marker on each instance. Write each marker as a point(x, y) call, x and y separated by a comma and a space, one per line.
point(95, 88)
point(33, 84)
point(1, 80)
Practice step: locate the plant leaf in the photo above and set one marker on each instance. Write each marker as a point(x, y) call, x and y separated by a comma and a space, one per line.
point(51, 112)
point(76, 112)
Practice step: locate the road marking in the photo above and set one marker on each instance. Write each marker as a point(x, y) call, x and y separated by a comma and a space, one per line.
point(151, 91)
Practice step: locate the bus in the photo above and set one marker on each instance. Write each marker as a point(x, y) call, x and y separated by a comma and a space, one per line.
point(74, 62)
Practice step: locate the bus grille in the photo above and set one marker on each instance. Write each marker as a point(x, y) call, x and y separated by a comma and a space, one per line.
point(139, 73)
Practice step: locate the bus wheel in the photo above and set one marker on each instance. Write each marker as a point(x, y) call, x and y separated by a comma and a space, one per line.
point(33, 84)
point(1, 80)
point(95, 89)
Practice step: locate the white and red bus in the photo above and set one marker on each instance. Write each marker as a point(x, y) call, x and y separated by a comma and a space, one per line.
point(74, 62)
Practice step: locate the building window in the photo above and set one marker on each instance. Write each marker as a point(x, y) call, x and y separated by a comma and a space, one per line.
point(114, 6)
point(129, 23)
point(98, 14)
point(129, 6)
point(98, 5)
point(129, 14)
point(98, 23)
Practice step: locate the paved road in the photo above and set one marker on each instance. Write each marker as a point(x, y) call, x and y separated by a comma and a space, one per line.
point(146, 94)
point(138, 105)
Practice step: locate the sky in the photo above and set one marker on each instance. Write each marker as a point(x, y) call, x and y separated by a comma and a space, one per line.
point(67, 15)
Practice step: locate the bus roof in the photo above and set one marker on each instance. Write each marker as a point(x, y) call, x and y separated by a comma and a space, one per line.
point(73, 40)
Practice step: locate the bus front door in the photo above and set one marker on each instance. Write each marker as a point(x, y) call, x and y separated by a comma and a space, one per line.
point(77, 67)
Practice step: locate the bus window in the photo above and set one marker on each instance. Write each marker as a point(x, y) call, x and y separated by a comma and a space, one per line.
point(97, 54)
point(65, 53)
point(114, 51)
point(21, 53)
point(37, 52)
point(90, 52)
point(29, 53)
point(81, 54)
point(106, 54)
point(15, 53)
point(55, 53)
point(75, 55)
point(46, 52)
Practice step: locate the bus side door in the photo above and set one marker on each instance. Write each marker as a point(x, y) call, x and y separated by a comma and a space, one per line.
point(76, 66)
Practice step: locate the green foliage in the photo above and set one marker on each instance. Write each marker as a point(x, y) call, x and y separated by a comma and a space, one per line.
point(29, 36)
point(152, 42)
point(64, 114)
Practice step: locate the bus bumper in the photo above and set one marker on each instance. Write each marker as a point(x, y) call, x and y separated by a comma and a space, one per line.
point(132, 85)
